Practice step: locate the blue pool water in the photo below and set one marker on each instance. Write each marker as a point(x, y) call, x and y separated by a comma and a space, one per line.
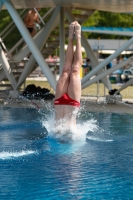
point(36, 166)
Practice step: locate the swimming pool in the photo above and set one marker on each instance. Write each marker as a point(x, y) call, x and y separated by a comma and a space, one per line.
point(34, 165)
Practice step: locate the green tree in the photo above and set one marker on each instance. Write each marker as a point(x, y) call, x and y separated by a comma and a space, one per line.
point(109, 19)
point(98, 19)
point(14, 36)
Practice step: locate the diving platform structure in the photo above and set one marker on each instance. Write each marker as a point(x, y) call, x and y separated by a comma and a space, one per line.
point(52, 35)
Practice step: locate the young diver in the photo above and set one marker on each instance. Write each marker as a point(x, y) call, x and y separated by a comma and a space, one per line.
point(68, 89)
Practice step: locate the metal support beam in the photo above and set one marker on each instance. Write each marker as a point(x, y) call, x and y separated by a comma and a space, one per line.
point(31, 62)
point(7, 68)
point(43, 33)
point(21, 40)
point(28, 39)
point(107, 60)
point(94, 61)
point(107, 72)
point(128, 83)
point(88, 49)
point(9, 25)
point(39, 16)
point(48, 13)
point(2, 74)
point(15, 46)
point(27, 70)
point(62, 39)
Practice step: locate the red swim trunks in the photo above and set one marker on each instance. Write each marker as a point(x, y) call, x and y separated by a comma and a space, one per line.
point(66, 100)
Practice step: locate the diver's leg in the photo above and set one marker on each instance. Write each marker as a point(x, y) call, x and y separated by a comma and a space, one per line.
point(74, 89)
point(63, 82)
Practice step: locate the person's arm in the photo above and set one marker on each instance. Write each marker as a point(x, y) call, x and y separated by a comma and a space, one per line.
point(37, 20)
point(26, 19)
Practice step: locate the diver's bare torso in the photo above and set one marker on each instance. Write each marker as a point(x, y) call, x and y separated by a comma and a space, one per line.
point(65, 114)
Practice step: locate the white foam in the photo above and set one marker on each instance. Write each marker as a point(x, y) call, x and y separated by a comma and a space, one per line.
point(72, 133)
point(99, 139)
point(9, 155)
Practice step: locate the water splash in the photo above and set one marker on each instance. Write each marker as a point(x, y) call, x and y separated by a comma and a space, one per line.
point(87, 127)
point(98, 139)
point(73, 133)
point(10, 155)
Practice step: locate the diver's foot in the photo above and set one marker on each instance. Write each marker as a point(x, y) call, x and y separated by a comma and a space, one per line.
point(71, 30)
point(77, 30)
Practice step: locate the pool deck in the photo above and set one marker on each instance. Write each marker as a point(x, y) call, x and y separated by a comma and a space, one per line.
point(126, 106)
point(91, 104)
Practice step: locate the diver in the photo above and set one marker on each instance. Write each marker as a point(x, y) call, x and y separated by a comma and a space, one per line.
point(68, 89)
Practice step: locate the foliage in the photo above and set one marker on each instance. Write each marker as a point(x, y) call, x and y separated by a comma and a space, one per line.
point(14, 36)
point(98, 19)
point(109, 19)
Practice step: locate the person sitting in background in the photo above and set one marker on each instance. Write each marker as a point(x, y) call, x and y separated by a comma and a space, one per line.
point(30, 20)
